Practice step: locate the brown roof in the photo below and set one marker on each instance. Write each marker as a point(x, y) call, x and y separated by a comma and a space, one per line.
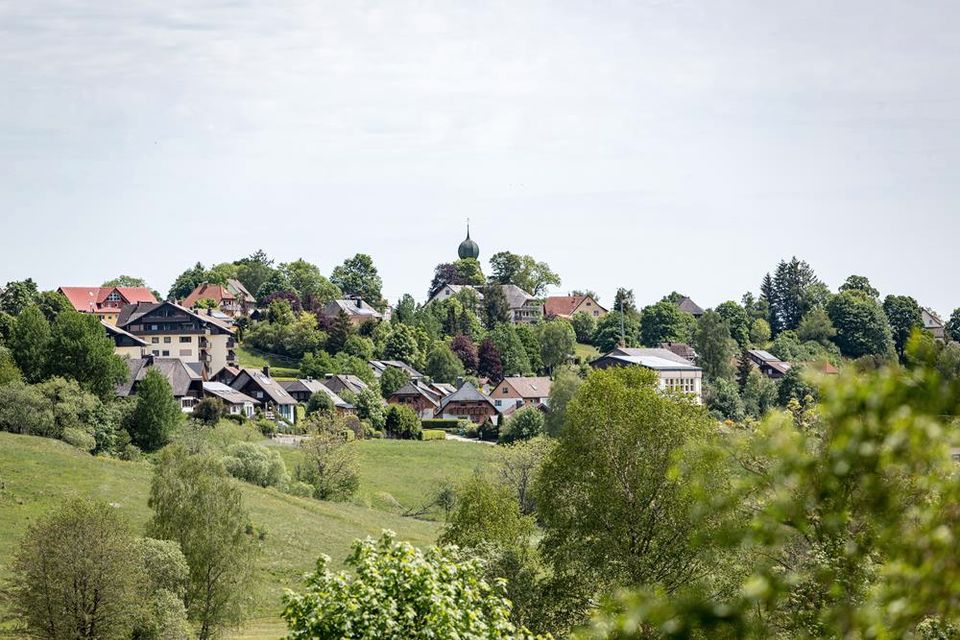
point(218, 293)
point(531, 387)
point(565, 305)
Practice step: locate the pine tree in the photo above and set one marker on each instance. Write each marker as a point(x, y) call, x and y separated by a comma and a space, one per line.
point(339, 333)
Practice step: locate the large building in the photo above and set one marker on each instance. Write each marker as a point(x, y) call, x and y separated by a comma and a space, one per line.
point(105, 302)
point(172, 331)
point(231, 298)
point(673, 372)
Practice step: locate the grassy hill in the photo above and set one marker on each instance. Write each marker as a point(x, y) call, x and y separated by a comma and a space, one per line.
point(36, 473)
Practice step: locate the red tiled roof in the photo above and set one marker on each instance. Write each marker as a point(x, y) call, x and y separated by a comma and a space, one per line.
point(92, 299)
point(528, 387)
point(215, 292)
point(564, 305)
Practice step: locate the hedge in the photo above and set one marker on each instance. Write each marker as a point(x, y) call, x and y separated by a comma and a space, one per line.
point(433, 434)
point(441, 423)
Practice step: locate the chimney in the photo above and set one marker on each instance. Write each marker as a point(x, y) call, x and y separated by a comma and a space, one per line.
point(266, 370)
point(460, 381)
point(359, 302)
point(148, 359)
point(209, 311)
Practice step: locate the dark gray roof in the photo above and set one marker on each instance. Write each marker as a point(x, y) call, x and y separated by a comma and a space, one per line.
point(516, 297)
point(379, 366)
point(466, 393)
point(130, 313)
point(414, 389)
point(266, 384)
point(354, 307)
point(691, 307)
point(227, 394)
point(174, 370)
point(311, 386)
point(350, 382)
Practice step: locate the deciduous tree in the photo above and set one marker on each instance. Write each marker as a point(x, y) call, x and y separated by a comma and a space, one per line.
point(157, 414)
point(904, 315)
point(357, 276)
point(489, 364)
point(861, 325)
point(30, 343)
point(443, 365)
point(557, 340)
point(715, 348)
point(665, 322)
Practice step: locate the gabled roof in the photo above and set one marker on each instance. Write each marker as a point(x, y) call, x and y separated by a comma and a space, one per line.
point(765, 356)
point(930, 319)
point(355, 307)
point(232, 290)
point(311, 386)
point(265, 383)
point(689, 306)
point(528, 387)
point(91, 299)
point(466, 393)
point(566, 305)
point(414, 389)
point(685, 351)
point(666, 354)
point(379, 366)
point(656, 359)
point(133, 312)
point(352, 383)
point(177, 373)
point(227, 394)
point(117, 335)
point(516, 297)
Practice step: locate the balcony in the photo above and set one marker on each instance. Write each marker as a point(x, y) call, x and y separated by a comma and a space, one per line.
point(231, 343)
point(204, 343)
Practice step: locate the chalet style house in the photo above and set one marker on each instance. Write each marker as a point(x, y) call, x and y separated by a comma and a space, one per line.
point(356, 309)
point(423, 397)
point(258, 385)
point(674, 373)
point(172, 331)
point(105, 302)
point(467, 403)
point(568, 306)
point(524, 308)
point(186, 383)
point(517, 391)
point(933, 323)
point(236, 402)
point(769, 364)
point(303, 389)
point(126, 345)
point(379, 366)
point(232, 298)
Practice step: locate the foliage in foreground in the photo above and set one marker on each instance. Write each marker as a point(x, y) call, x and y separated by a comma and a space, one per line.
point(397, 592)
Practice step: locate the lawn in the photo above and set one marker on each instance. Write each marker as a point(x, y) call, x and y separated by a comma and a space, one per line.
point(37, 473)
point(586, 352)
point(280, 368)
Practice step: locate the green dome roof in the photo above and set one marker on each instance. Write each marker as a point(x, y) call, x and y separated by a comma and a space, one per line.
point(468, 248)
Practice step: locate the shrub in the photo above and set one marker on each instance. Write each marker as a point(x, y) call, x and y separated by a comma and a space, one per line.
point(320, 402)
point(402, 422)
point(300, 489)
point(267, 427)
point(329, 466)
point(236, 417)
point(445, 424)
point(23, 409)
point(524, 424)
point(256, 464)
point(488, 430)
point(433, 434)
point(470, 430)
point(79, 438)
point(209, 411)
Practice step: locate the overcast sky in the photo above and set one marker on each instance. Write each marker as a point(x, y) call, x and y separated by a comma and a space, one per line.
point(659, 145)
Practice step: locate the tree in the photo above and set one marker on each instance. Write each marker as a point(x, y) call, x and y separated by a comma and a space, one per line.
point(196, 504)
point(557, 340)
point(340, 332)
point(608, 333)
point(523, 271)
point(9, 372)
point(952, 328)
point(276, 282)
point(18, 295)
point(398, 592)
point(76, 574)
point(357, 276)
point(125, 281)
point(486, 512)
point(254, 270)
point(759, 394)
point(760, 332)
point(314, 289)
point(30, 343)
point(815, 326)
point(624, 301)
point(665, 322)
point(518, 467)
point(369, 407)
point(861, 325)
point(565, 385)
point(187, 281)
point(737, 320)
point(209, 411)
point(443, 364)
point(406, 310)
point(157, 414)
point(80, 349)
point(722, 397)
point(466, 351)
point(52, 304)
point(608, 519)
point(512, 354)
point(391, 380)
point(489, 364)
point(496, 309)
point(524, 424)
point(402, 345)
point(320, 402)
point(329, 465)
point(584, 326)
point(530, 336)
point(715, 348)
point(861, 284)
point(166, 576)
point(904, 315)
point(465, 272)
point(402, 423)
point(791, 292)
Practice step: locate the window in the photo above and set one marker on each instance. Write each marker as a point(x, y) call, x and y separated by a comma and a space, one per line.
point(156, 352)
point(165, 353)
point(506, 390)
point(596, 313)
point(166, 339)
point(155, 340)
point(153, 327)
point(497, 402)
point(185, 339)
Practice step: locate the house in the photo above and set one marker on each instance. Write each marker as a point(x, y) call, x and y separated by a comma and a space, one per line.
point(524, 308)
point(466, 403)
point(685, 351)
point(126, 345)
point(232, 298)
point(186, 383)
point(236, 402)
point(379, 366)
point(341, 383)
point(303, 389)
point(418, 397)
point(933, 323)
point(450, 290)
point(173, 331)
point(518, 391)
point(105, 302)
point(226, 375)
point(356, 309)
point(674, 373)
point(260, 386)
point(689, 306)
point(568, 306)
point(769, 364)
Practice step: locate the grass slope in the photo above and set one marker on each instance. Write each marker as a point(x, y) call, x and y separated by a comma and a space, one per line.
point(281, 368)
point(37, 473)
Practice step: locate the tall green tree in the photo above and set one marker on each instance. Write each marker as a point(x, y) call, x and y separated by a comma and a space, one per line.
point(861, 325)
point(406, 310)
point(584, 326)
point(557, 340)
point(793, 290)
point(513, 356)
point(624, 301)
point(496, 310)
point(187, 282)
point(524, 271)
point(530, 338)
point(665, 322)
point(816, 326)
point(125, 281)
point(9, 371)
point(391, 380)
point(715, 348)
point(443, 365)
point(254, 270)
point(18, 295)
point(80, 349)
point(157, 414)
point(904, 315)
point(608, 519)
point(565, 385)
point(608, 333)
point(313, 288)
point(357, 276)
point(861, 284)
point(952, 328)
point(737, 320)
point(196, 504)
point(52, 304)
point(402, 345)
point(30, 343)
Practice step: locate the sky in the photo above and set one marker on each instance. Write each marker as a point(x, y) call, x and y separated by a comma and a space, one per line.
point(653, 144)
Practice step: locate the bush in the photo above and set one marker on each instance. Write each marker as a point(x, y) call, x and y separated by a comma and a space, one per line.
point(524, 424)
point(79, 438)
point(256, 464)
point(320, 402)
point(23, 409)
point(267, 427)
point(209, 411)
point(402, 422)
point(299, 489)
point(433, 434)
point(235, 417)
point(329, 466)
point(445, 424)
point(488, 430)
